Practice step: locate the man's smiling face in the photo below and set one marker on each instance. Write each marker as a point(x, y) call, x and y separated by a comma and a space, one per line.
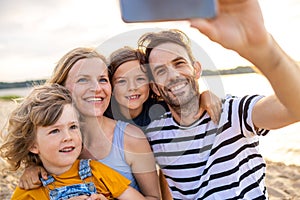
point(175, 77)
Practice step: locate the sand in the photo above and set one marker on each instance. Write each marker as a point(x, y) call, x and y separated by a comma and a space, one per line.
point(283, 181)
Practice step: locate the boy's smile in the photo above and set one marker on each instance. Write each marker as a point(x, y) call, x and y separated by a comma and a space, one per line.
point(59, 145)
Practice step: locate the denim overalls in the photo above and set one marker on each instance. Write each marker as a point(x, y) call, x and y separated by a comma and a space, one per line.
point(66, 192)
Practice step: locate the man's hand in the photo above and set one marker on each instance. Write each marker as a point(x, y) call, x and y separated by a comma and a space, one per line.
point(238, 26)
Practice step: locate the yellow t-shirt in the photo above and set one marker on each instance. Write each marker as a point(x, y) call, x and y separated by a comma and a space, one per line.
point(106, 181)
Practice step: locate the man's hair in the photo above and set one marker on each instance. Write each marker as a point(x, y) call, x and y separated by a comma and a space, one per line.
point(42, 107)
point(149, 41)
point(66, 63)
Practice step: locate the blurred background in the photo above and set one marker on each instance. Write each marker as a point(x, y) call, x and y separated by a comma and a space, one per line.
point(35, 34)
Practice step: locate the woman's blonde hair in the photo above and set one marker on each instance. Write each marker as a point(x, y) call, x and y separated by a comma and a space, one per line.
point(42, 107)
point(66, 63)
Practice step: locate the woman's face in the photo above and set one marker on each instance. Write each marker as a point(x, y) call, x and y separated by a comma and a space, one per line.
point(130, 87)
point(90, 87)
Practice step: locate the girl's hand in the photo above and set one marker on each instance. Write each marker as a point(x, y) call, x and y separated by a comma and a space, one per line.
point(212, 104)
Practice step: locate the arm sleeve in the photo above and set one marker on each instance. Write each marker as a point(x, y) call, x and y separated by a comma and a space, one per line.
point(244, 107)
point(35, 194)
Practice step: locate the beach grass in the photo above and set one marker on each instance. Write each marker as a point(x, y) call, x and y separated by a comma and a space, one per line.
point(10, 97)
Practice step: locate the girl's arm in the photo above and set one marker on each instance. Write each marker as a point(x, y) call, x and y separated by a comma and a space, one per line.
point(212, 104)
point(139, 156)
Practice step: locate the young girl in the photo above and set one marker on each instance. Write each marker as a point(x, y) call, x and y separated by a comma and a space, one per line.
point(44, 130)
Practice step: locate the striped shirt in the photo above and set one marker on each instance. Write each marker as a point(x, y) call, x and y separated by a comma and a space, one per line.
point(210, 161)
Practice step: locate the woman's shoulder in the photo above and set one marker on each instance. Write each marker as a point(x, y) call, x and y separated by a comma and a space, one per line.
point(133, 131)
point(134, 137)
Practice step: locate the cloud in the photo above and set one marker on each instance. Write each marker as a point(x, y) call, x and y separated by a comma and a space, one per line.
point(32, 31)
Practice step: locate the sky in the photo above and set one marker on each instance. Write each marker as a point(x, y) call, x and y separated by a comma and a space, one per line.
point(35, 34)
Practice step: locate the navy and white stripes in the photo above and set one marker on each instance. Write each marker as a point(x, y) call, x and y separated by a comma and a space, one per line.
point(209, 161)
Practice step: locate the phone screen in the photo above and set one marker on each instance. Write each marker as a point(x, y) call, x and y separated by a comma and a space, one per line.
point(166, 10)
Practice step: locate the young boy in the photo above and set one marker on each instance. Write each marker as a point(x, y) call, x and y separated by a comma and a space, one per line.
point(44, 129)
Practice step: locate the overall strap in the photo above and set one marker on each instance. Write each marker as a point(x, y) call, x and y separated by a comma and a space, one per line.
point(48, 181)
point(84, 169)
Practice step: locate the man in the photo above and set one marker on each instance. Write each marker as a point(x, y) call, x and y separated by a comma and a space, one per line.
point(200, 159)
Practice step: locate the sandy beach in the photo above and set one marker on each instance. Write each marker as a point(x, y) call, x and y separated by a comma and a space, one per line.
point(283, 181)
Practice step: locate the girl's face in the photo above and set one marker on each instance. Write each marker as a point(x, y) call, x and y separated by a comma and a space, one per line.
point(89, 84)
point(130, 87)
point(59, 145)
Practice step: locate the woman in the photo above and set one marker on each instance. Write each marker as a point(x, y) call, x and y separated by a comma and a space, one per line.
point(117, 144)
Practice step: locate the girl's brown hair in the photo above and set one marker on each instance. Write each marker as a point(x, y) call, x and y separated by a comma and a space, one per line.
point(122, 56)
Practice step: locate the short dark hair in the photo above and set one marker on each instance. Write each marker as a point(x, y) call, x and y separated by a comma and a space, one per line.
point(149, 41)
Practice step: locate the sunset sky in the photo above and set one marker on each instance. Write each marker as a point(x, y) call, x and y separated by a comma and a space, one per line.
point(35, 34)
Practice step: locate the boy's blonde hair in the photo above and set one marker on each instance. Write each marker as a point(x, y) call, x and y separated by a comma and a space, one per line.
point(42, 107)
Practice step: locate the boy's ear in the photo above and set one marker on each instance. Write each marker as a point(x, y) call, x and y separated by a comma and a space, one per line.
point(153, 86)
point(198, 69)
point(34, 149)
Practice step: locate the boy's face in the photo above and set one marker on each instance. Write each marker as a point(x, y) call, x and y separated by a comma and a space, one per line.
point(130, 86)
point(59, 145)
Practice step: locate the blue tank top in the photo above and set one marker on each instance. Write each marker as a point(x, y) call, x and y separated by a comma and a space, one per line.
point(116, 156)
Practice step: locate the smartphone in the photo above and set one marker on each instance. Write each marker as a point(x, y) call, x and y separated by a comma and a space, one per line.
point(166, 10)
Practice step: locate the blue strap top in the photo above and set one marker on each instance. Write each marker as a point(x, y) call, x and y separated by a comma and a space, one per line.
point(116, 156)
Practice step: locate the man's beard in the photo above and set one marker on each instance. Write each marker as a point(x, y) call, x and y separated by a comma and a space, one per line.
point(179, 102)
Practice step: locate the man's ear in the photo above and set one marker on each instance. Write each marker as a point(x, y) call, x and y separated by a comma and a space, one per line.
point(198, 69)
point(153, 86)
point(34, 149)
